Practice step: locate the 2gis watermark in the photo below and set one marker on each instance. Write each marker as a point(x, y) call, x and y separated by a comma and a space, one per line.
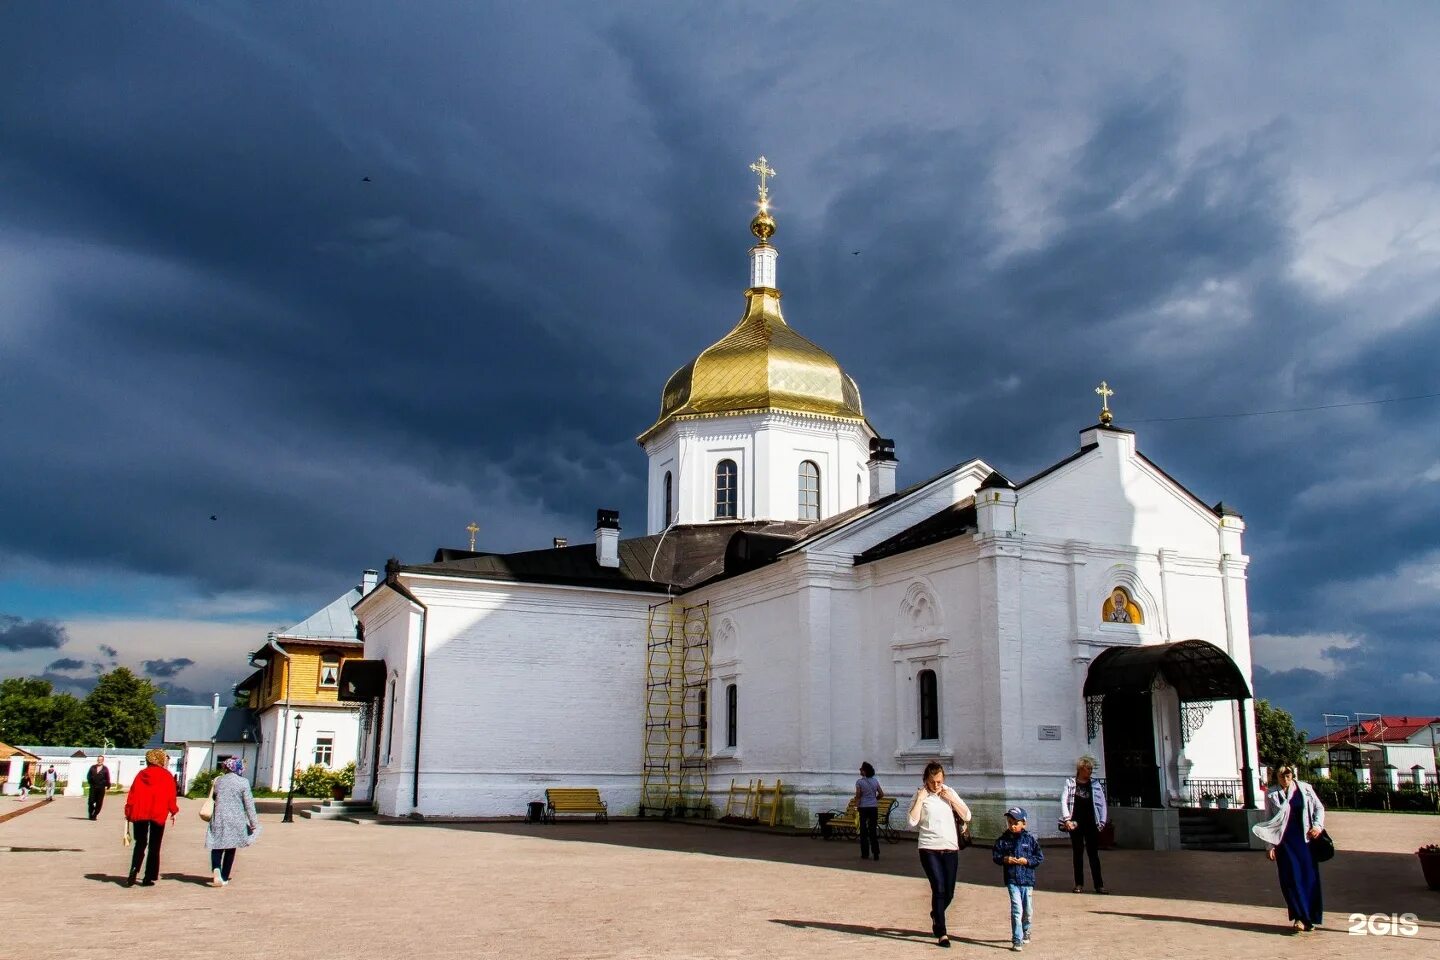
point(1384, 925)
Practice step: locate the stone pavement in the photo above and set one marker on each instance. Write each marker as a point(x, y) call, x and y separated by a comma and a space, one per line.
point(333, 891)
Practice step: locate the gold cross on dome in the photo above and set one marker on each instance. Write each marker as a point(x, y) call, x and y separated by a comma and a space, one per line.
point(1105, 393)
point(474, 528)
point(765, 171)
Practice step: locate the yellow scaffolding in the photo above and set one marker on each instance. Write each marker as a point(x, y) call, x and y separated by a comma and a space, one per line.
point(675, 778)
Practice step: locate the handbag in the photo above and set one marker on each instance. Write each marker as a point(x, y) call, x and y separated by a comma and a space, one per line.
point(1322, 848)
point(125, 837)
point(1062, 825)
point(962, 833)
point(207, 809)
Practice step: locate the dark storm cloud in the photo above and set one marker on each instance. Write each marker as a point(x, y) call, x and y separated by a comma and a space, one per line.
point(66, 663)
point(166, 668)
point(108, 651)
point(215, 316)
point(18, 634)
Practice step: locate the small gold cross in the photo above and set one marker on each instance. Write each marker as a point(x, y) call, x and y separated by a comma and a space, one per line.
point(1105, 393)
point(474, 528)
point(765, 171)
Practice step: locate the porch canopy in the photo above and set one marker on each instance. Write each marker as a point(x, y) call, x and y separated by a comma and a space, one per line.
point(1195, 669)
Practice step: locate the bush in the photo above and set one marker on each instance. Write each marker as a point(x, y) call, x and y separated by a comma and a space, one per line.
point(313, 781)
point(200, 786)
point(345, 777)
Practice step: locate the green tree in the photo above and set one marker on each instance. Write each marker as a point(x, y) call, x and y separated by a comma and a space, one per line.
point(1280, 743)
point(31, 712)
point(122, 707)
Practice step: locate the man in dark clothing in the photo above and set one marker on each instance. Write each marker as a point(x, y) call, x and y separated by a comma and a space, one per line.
point(99, 780)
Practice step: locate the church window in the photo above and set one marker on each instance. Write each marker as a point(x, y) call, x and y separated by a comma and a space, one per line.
point(809, 490)
point(325, 748)
point(1120, 607)
point(731, 719)
point(727, 490)
point(329, 669)
point(669, 498)
point(390, 724)
point(929, 706)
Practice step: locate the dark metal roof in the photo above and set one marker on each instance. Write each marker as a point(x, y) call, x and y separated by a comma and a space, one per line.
point(184, 724)
point(996, 481)
point(1196, 669)
point(953, 521)
point(1056, 466)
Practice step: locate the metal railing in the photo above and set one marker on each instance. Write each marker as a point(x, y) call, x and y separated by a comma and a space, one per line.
point(1200, 792)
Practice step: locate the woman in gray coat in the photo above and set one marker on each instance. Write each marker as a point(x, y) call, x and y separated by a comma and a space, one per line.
point(234, 824)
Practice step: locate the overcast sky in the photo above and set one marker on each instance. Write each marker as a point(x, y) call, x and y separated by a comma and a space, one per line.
point(206, 310)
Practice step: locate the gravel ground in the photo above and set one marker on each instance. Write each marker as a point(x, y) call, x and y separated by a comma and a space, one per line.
point(327, 890)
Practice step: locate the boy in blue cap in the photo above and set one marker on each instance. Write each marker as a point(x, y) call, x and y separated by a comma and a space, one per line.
point(1019, 853)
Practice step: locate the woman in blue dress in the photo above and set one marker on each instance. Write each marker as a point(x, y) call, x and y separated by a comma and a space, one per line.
point(1297, 817)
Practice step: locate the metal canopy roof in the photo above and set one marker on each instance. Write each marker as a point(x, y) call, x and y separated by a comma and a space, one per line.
point(1196, 669)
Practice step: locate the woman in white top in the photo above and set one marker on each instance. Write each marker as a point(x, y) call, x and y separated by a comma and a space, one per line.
point(934, 811)
point(1297, 818)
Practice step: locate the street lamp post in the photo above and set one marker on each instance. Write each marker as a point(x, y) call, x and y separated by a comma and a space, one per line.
point(294, 758)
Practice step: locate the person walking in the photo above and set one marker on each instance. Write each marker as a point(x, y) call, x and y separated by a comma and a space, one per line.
point(1083, 814)
point(150, 801)
point(50, 778)
point(23, 789)
point(1018, 852)
point(935, 810)
point(868, 795)
point(233, 824)
point(1297, 817)
point(98, 777)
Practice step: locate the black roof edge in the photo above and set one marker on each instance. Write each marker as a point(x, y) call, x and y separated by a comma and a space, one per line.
point(1056, 466)
point(1183, 489)
point(1223, 509)
point(996, 481)
point(1108, 427)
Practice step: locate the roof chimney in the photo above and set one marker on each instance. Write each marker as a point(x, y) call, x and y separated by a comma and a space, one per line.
point(368, 579)
point(882, 468)
point(607, 538)
point(561, 542)
point(215, 702)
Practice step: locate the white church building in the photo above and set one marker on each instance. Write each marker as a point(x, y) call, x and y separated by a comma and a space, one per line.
point(790, 614)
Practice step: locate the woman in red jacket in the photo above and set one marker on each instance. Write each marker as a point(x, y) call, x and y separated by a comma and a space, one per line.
point(151, 800)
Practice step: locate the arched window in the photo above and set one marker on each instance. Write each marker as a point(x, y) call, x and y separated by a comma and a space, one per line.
point(704, 720)
point(929, 706)
point(732, 698)
point(727, 490)
point(669, 498)
point(809, 490)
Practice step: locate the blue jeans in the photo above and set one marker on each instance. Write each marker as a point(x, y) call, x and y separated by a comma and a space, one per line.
point(940, 867)
point(1022, 911)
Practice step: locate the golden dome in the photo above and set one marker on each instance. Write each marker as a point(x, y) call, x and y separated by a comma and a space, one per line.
point(760, 365)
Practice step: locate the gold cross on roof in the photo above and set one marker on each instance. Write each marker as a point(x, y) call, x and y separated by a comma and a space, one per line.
point(474, 528)
point(765, 171)
point(1105, 393)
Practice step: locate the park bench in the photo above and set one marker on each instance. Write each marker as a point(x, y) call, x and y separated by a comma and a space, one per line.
point(846, 826)
point(574, 800)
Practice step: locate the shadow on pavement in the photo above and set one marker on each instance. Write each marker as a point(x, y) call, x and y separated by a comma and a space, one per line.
point(1280, 929)
point(1354, 882)
point(120, 880)
point(888, 933)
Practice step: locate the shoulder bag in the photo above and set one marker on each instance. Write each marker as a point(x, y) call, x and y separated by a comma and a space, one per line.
point(207, 809)
point(1322, 848)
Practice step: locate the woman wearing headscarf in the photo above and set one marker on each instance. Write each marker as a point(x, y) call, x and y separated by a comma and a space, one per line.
point(934, 811)
point(1297, 817)
point(150, 801)
point(233, 824)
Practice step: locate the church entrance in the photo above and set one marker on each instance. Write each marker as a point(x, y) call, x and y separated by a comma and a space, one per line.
point(1120, 701)
point(1132, 774)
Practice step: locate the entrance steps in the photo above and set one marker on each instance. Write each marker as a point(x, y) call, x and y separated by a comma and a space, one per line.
point(338, 810)
point(1203, 830)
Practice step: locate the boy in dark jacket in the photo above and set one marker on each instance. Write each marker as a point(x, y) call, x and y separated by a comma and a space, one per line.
point(1019, 853)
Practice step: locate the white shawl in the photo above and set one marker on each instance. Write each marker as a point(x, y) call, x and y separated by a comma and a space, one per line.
point(1272, 831)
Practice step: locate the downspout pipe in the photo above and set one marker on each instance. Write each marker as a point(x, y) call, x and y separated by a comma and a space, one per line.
point(392, 580)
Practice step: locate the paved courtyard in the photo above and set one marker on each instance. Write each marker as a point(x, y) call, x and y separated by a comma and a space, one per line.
point(328, 890)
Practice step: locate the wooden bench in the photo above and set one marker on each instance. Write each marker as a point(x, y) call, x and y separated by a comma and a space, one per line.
point(846, 825)
point(574, 800)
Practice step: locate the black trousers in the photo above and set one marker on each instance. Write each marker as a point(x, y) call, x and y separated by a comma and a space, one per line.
point(96, 801)
point(1085, 839)
point(940, 867)
point(870, 832)
point(147, 838)
point(223, 860)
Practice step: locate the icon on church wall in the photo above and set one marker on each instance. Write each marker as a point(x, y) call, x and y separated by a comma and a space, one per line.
point(1120, 608)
